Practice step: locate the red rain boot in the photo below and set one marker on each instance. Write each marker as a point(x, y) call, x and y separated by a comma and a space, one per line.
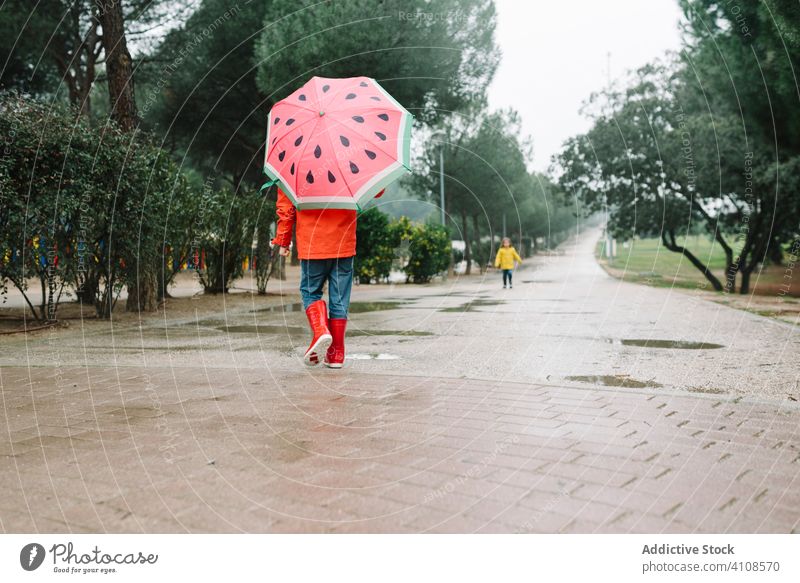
point(334, 358)
point(317, 314)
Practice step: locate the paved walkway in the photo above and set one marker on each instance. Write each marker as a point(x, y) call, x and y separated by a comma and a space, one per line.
point(457, 414)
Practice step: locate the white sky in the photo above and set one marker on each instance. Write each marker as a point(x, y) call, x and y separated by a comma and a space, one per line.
point(555, 55)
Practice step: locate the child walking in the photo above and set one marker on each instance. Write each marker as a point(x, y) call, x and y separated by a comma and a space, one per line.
point(506, 256)
point(326, 247)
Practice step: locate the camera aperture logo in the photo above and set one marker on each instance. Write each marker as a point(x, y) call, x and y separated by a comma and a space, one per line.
point(66, 560)
point(31, 556)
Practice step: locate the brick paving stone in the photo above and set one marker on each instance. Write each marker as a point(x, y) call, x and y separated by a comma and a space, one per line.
point(454, 455)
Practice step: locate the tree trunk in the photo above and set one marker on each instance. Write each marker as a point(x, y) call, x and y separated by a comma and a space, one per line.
point(744, 289)
point(144, 296)
point(467, 246)
point(730, 275)
point(478, 245)
point(675, 248)
point(714, 227)
point(775, 252)
point(86, 286)
point(143, 290)
point(119, 67)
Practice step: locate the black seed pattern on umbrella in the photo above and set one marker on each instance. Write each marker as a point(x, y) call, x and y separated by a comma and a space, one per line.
point(350, 96)
point(345, 141)
point(381, 136)
point(363, 83)
point(273, 139)
point(291, 170)
point(282, 155)
point(353, 168)
point(373, 98)
point(317, 152)
point(277, 119)
point(310, 177)
point(325, 88)
point(370, 155)
point(331, 177)
point(300, 139)
point(383, 116)
point(358, 118)
point(302, 97)
point(290, 121)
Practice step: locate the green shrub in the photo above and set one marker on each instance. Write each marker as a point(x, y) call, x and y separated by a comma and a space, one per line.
point(430, 250)
point(376, 241)
point(80, 205)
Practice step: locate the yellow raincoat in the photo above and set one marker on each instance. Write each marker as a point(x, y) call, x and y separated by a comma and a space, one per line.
point(505, 258)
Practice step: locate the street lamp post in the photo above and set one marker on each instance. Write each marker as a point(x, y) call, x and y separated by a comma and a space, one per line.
point(440, 135)
point(441, 180)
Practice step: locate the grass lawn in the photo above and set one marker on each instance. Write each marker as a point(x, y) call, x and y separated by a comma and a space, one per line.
point(648, 261)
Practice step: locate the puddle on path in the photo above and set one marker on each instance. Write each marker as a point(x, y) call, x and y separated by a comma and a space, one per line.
point(614, 381)
point(355, 307)
point(674, 344)
point(471, 306)
point(706, 390)
point(300, 331)
point(364, 307)
point(264, 329)
point(290, 307)
point(389, 333)
point(372, 356)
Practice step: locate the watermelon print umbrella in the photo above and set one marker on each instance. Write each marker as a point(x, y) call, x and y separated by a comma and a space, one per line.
point(336, 143)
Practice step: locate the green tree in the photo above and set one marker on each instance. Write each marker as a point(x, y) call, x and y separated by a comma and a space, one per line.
point(228, 223)
point(199, 90)
point(433, 56)
point(485, 170)
point(376, 242)
point(55, 47)
point(703, 140)
point(83, 206)
point(429, 249)
point(638, 162)
point(740, 70)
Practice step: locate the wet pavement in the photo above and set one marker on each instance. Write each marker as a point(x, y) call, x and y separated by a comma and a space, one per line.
point(571, 403)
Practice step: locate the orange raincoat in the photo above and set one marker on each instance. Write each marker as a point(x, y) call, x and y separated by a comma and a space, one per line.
point(321, 233)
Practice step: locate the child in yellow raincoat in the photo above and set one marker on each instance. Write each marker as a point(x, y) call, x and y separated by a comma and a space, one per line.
point(506, 256)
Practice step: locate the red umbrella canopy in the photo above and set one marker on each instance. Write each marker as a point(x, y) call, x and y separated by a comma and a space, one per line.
point(336, 143)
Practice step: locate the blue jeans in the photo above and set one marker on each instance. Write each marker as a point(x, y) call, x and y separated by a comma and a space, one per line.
point(338, 272)
point(507, 275)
